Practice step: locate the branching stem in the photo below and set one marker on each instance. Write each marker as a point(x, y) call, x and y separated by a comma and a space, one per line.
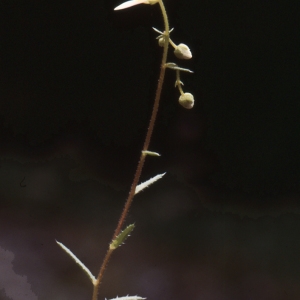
point(143, 156)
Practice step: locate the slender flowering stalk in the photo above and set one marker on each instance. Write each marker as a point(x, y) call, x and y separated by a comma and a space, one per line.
point(148, 135)
point(181, 51)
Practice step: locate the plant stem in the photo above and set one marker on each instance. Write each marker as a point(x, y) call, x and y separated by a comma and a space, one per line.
point(141, 162)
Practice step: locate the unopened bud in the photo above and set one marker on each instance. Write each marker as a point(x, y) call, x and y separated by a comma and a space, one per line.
point(182, 51)
point(186, 100)
point(161, 42)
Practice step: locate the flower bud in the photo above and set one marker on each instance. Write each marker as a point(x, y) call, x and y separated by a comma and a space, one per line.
point(186, 100)
point(161, 42)
point(182, 51)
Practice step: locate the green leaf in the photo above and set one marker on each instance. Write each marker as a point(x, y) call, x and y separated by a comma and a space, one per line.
point(151, 153)
point(121, 237)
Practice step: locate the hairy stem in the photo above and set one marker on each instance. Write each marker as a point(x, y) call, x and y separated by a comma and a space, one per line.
point(141, 162)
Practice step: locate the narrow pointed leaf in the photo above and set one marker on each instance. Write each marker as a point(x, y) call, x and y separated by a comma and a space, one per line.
point(147, 183)
point(121, 237)
point(151, 153)
point(174, 66)
point(78, 261)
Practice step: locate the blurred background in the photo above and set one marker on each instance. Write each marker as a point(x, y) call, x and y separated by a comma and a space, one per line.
point(77, 83)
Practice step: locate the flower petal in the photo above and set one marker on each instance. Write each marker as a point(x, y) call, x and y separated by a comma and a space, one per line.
point(131, 3)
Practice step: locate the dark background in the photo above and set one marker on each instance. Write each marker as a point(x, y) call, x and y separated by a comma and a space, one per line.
point(77, 82)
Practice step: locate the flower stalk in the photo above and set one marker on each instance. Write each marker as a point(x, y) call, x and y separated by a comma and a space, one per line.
point(141, 162)
point(181, 51)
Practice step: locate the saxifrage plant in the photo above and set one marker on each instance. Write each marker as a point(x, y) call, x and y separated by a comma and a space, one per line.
point(181, 51)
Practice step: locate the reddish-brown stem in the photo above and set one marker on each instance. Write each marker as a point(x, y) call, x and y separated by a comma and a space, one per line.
point(139, 168)
point(141, 162)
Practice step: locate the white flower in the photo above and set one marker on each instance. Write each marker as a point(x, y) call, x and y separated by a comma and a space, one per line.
point(182, 51)
point(135, 2)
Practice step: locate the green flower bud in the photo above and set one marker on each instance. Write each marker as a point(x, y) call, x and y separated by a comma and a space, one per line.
point(186, 100)
point(182, 51)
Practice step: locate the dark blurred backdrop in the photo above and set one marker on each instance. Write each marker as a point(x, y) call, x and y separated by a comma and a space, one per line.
point(77, 83)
